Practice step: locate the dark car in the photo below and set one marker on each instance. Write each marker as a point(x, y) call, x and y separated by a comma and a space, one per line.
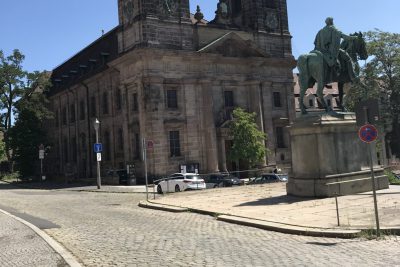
point(222, 180)
point(270, 178)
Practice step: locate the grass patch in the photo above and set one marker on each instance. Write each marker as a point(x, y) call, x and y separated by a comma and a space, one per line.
point(392, 178)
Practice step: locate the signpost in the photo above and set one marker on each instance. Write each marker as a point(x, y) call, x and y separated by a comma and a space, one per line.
point(41, 157)
point(368, 134)
point(97, 149)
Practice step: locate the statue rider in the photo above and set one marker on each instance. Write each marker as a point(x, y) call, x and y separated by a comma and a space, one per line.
point(328, 42)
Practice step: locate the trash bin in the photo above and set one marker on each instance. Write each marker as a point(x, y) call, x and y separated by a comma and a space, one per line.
point(123, 177)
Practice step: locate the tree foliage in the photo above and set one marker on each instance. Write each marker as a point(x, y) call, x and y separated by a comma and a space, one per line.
point(248, 140)
point(29, 132)
point(380, 79)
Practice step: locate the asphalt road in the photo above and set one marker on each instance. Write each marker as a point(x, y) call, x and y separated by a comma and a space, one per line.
point(107, 229)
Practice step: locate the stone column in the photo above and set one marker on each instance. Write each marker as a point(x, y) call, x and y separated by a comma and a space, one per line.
point(266, 89)
point(209, 128)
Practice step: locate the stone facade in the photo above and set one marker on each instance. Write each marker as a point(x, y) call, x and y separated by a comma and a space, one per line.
point(163, 76)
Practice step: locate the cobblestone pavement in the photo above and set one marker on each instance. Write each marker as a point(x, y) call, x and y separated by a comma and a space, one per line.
point(106, 229)
point(21, 246)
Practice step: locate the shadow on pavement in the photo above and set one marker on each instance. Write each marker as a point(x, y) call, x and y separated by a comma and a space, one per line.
point(41, 185)
point(284, 199)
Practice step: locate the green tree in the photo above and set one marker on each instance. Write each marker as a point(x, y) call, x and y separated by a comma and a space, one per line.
point(248, 140)
point(28, 131)
point(13, 83)
point(380, 79)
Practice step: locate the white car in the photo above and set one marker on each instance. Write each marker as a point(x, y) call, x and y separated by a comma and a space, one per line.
point(180, 182)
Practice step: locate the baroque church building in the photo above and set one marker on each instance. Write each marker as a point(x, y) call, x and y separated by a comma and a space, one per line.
point(173, 78)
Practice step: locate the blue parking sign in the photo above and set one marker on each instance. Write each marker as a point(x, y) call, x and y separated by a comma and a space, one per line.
point(98, 147)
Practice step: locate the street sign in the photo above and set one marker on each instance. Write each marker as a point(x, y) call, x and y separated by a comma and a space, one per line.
point(41, 154)
point(98, 156)
point(98, 148)
point(368, 133)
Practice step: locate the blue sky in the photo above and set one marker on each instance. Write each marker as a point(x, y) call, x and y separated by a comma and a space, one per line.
point(49, 32)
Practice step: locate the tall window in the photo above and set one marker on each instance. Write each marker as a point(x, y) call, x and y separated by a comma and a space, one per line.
point(174, 144)
point(57, 118)
point(105, 103)
point(120, 139)
point(74, 150)
point(93, 106)
point(107, 146)
point(270, 3)
point(172, 99)
point(228, 98)
point(137, 146)
point(72, 113)
point(280, 139)
point(64, 116)
point(118, 99)
point(277, 99)
point(135, 106)
point(82, 109)
point(65, 148)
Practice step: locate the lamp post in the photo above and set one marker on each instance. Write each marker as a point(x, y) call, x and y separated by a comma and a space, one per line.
point(96, 128)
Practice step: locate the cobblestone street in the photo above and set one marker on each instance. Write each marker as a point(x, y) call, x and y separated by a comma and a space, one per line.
point(107, 229)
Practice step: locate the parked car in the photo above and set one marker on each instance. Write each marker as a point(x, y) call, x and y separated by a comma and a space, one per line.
point(180, 182)
point(270, 178)
point(222, 180)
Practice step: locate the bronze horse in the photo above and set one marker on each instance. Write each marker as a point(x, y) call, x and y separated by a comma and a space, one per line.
point(313, 69)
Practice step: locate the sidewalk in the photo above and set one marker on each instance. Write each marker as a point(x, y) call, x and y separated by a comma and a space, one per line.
point(267, 206)
point(22, 246)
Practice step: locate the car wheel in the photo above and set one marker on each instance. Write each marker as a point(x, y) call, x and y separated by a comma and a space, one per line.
point(177, 189)
point(159, 189)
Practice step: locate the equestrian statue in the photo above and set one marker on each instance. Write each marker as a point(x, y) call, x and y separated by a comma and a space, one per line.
point(332, 60)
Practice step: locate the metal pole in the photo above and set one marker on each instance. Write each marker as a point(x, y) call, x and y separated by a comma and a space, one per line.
point(373, 179)
point(98, 163)
point(145, 167)
point(41, 170)
point(374, 192)
point(337, 210)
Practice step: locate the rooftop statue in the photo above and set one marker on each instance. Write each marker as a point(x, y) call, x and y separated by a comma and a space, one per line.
point(334, 59)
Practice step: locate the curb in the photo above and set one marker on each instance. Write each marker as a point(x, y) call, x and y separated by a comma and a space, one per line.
point(66, 255)
point(149, 205)
point(294, 230)
point(270, 226)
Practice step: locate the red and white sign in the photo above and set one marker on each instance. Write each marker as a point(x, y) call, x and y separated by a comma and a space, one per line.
point(368, 133)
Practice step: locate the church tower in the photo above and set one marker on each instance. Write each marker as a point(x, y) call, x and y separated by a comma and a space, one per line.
point(155, 23)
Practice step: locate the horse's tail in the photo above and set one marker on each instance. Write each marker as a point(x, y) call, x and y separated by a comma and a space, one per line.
point(302, 66)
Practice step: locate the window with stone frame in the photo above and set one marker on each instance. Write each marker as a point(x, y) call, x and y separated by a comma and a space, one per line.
point(74, 151)
point(137, 146)
point(172, 99)
point(65, 149)
point(57, 119)
point(174, 144)
point(118, 99)
point(135, 104)
point(228, 99)
point(72, 113)
point(82, 112)
point(107, 146)
point(277, 99)
point(270, 3)
point(280, 138)
point(93, 106)
point(120, 139)
point(64, 116)
point(105, 103)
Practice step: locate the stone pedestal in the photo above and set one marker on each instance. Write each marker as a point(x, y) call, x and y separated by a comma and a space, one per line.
point(328, 158)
